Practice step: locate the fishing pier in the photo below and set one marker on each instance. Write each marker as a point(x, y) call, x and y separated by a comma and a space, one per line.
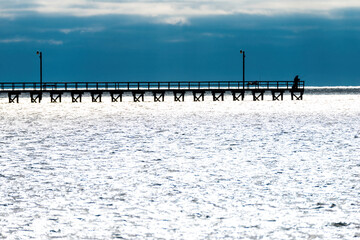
point(158, 90)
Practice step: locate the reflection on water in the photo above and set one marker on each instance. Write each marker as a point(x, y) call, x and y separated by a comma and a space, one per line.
point(272, 170)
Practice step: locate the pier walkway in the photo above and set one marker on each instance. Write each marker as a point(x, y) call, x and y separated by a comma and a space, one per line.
point(157, 89)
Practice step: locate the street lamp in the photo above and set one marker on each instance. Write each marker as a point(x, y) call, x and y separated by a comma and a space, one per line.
point(40, 55)
point(243, 53)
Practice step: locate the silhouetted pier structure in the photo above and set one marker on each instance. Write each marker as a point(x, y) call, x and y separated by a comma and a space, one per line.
point(238, 89)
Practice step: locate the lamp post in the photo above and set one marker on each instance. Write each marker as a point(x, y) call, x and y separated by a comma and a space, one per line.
point(243, 53)
point(40, 55)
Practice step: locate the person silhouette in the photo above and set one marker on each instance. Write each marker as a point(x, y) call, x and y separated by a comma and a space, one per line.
point(296, 82)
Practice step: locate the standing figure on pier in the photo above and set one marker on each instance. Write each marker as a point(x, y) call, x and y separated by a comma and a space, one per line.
point(296, 82)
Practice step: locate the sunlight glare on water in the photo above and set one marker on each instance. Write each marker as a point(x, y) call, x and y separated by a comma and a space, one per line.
point(181, 170)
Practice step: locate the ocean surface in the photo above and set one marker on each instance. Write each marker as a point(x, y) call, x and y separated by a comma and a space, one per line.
point(182, 170)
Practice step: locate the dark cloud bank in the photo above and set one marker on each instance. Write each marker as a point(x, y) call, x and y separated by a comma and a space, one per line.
point(323, 51)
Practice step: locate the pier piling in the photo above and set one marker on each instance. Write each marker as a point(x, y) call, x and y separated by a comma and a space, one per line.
point(297, 95)
point(54, 97)
point(258, 95)
point(96, 96)
point(36, 97)
point(138, 96)
point(76, 96)
point(159, 96)
point(116, 96)
point(218, 96)
point(277, 95)
point(238, 95)
point(179, 96)
point(198, 96)
point(13, 96)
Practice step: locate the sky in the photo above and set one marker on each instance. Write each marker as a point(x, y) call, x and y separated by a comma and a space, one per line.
point(109, 40)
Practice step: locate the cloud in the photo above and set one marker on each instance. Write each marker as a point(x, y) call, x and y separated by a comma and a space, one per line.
point(29, 40)
point(216, 35)
point(174, 21)
point(173, 11)
point(176, 40)
point(81, 30)
point(84, 8)
point(14, 40)
point(51, 42)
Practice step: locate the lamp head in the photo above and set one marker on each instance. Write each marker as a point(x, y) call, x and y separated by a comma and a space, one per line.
point(241, 51)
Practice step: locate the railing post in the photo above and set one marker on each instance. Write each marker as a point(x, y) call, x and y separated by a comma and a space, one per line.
point(178, 85)
point(138, 85)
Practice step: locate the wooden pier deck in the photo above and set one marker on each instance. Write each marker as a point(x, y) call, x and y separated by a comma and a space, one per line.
point(157, 89)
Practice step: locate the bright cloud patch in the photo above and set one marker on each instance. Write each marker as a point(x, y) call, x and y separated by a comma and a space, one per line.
point(22, 40)
point(81, 30)
point(175, 20)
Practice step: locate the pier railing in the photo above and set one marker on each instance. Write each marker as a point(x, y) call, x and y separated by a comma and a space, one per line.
point(151, 86)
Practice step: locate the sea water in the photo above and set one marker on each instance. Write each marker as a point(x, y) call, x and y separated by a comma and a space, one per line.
point(181, 170)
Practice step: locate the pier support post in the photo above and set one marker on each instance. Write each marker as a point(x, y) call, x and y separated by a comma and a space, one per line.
point(96, 96)
point(76, 96)
point(13, 96)
point(217, 96)
point(54, 97)
point(179, 96)
point(257, 95)
point(159, 96)
point(116, 96)
point(138, 96)
point(36, 97)
point(277, 95)
point(238, 95)
point(198, 96)
point(297, 95)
